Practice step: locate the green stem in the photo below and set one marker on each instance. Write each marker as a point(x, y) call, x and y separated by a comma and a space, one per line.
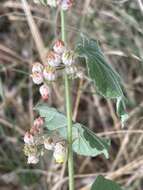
point(69, 114)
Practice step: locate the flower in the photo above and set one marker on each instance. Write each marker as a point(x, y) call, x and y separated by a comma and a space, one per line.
point(33, 159)
point(37, 67)
point(49, 73)
point(68, 58)
point(59, 152)
point(44, 91)
point(66, 4)
point(39, 122)
point(70, 70)
point(53, 59)
point(48, 143)
point(59, 47)
point(28, 138)
point(37, 77)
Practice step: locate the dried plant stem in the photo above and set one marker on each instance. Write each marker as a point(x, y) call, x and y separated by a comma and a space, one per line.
point(69, 114)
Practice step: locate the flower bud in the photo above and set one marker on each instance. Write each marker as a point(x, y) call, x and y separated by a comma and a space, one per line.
point(59, 47)
point(39, 122)
point(49, 74)
point(28, 138)
point(48, 143)
point(71, 70)
point(37, 67)
point(37, 78)
point(66, 4)
point(44, 91)
point(30, 149)
point(33, 159)
point(68, 58)
point(53, 59)
point(59, 152)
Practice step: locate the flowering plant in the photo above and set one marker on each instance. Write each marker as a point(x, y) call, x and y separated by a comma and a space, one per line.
point(73, 137)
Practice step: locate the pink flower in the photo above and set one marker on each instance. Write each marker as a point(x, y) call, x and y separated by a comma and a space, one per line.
point(66, 4)
point(33, 159)
point(37, 67)
point(53, 59)
point(39, 122)
point(28, 138)
point(59, 47)
point(37, 77)
point(44, 91)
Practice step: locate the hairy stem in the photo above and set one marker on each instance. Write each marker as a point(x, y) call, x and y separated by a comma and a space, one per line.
point(69, 114)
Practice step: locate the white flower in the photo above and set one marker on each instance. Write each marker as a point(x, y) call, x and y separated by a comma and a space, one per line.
point(37, 78)
point(68, 58)
point(37, 67)
point(49, 74)
point(59, 47)
point(66, 4)
point(28, 138)
point(33, 159)
point(53, 59)
point(48, 143)
point(59, 152)
point(44, 91)
point(70, 70)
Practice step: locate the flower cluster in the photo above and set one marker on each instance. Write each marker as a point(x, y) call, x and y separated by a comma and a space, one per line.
point(58, 57)
point(36, 143)
point(63, 4)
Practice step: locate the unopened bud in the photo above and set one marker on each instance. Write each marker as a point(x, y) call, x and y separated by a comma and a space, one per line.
point(66, 4)
point(37, 78)
point(39, 122)
point(28, 138)
point(44, 91)
point(59, 47)
point(68, 58)
point(53, 59)
point(49, 74)
point(30, 149)
point(33, 159)
point(48, 143)
point(59, 152)
point(37, 67)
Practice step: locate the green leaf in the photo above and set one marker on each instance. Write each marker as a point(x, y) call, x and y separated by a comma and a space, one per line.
point(85, 142)
point(88, 144)
point(105, 184)
point(106, 80)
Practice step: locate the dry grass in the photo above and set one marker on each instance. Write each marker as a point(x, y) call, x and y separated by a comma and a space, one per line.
point(118, 24)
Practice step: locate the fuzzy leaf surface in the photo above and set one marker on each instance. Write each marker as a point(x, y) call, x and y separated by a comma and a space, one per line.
point(85, 142)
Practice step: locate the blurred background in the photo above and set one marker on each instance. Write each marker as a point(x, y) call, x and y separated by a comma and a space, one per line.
point(118, 25)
